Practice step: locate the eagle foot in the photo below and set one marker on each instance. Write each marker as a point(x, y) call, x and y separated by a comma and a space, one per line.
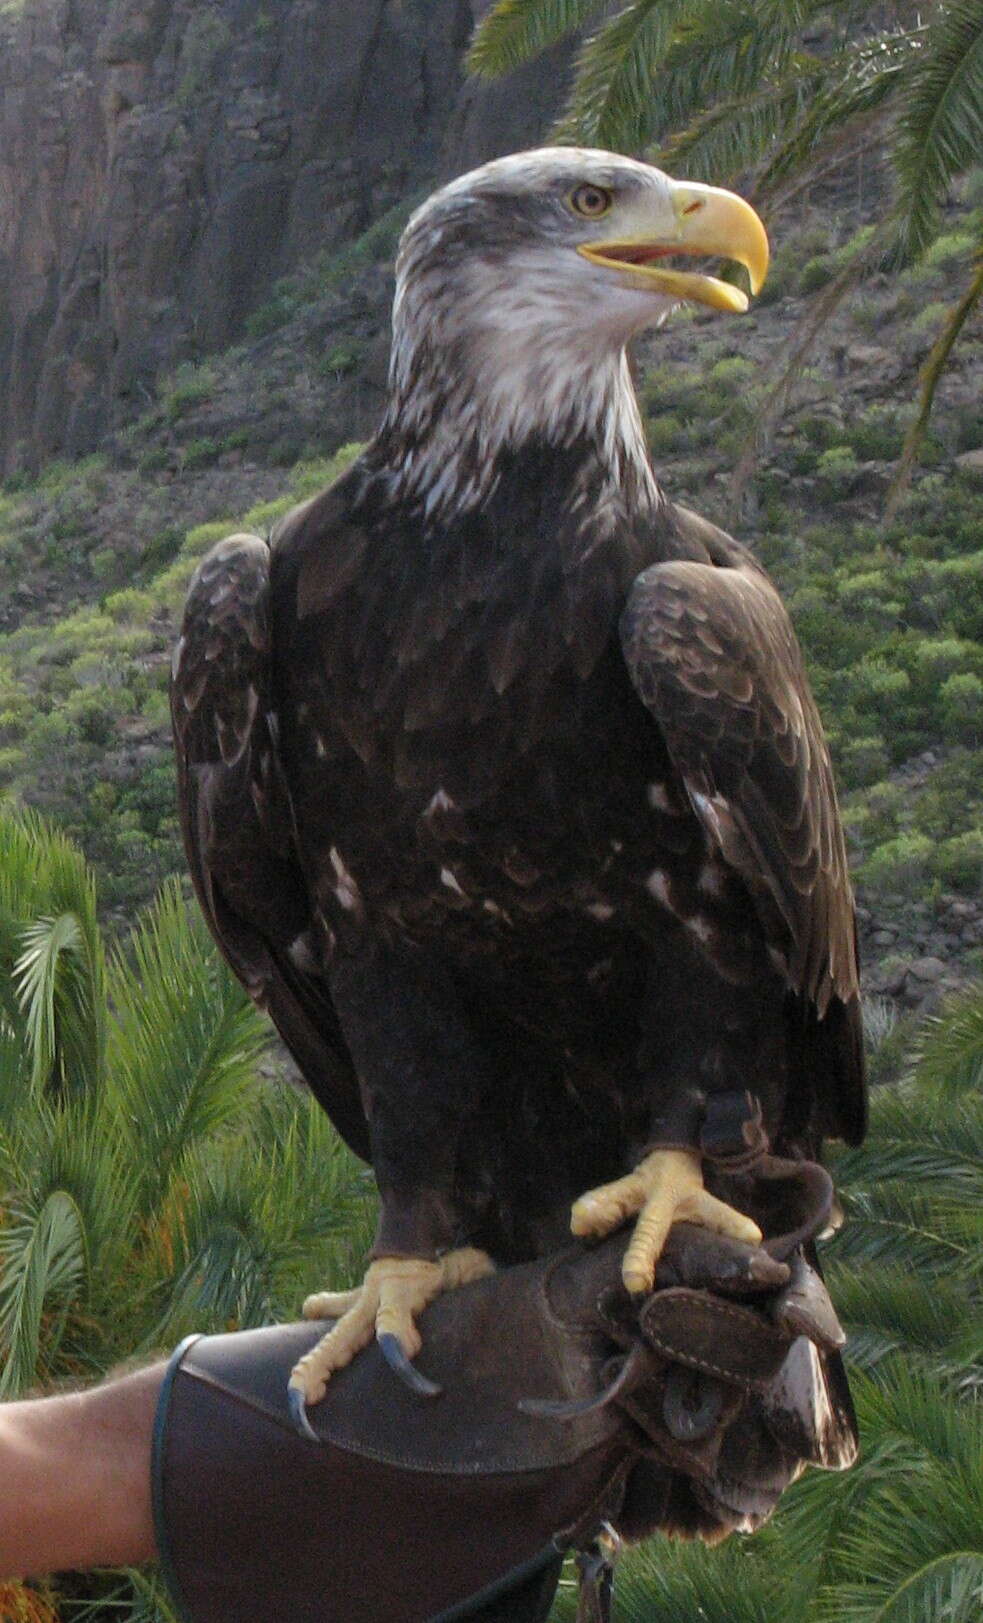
point(665, 1188)
point(393, 1292)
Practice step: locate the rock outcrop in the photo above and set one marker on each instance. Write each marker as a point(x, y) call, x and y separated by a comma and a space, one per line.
point(162, 162)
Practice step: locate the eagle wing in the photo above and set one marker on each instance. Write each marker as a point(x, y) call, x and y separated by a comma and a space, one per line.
point(712, 654)
point(237, 823)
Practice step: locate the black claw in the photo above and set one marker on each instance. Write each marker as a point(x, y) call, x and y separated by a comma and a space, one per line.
point(571, 1409)
point(298, 1413)
point(395, 1355)
point(560, 1408)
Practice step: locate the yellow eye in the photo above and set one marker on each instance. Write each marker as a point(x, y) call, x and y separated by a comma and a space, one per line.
point(590, 201)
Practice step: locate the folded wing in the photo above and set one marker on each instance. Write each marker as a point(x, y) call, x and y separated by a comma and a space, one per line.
point(237, 824)
point(712, 654)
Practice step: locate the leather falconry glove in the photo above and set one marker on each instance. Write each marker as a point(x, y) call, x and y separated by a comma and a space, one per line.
point(572, 1415)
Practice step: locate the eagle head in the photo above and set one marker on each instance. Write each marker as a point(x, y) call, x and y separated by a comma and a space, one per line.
point(519, 284)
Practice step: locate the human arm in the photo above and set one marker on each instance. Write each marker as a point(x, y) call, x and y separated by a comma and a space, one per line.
point(76, 1477)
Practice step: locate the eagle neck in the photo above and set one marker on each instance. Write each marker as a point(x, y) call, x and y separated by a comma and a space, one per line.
point(450, 429)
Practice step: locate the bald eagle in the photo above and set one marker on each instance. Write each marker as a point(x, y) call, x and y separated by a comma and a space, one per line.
point(501, 782)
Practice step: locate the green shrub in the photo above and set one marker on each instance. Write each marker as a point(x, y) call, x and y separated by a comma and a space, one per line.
point(928, 322)
point(203, 536)
point(733, 374)
point(952, 246)
point(837, 470)
point(200, 453)
point(265, 514)
point(311, 476)
point(872, 595)
point(668, 432)
point(961, 700)
point(952, 800)
point(864, 760)
point(341, 359)
point(900, 864)
point(958, 862)
point(815, 274)
point(155, 459)
point(877, 815)
point(877, 434)
point(128, 604)
point(189, 386)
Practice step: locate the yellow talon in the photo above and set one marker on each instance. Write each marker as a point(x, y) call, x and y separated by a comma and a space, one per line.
point(665, 1188)
point(393, 1292)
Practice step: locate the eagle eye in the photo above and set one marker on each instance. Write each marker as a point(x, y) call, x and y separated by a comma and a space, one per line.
point(590, 201)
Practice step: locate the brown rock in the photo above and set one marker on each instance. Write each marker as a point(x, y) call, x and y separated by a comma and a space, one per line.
point(970, 465)
point(928, 969)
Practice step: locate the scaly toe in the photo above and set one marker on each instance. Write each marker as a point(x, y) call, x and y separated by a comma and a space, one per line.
point(665, 1188)
point(330, 1304)
point(600, 1211)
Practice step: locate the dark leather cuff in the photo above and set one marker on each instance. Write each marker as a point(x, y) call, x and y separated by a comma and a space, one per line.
point(677, 1126)
point(723, 1128)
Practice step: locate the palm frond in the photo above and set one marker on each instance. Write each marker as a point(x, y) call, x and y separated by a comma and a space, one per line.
point(17, 1102)
point(935, 1232)
point(251, 1227)
point(42, 1266)
point(55, 991)
point(42, 875)
point(912, 1502)
point(611, 102)
point(516, 30)
point(940, 128)
point(948, 1587)
point(852, 86)
point(934, 365)
point(734, 136)
point(670, 1582)
point(183, 1042)
point(892, 1309)
point(719, 53)
point(130, 1594)
point(949, 1050)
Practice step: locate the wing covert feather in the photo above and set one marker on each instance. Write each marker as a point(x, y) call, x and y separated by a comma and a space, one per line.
point(712, 654)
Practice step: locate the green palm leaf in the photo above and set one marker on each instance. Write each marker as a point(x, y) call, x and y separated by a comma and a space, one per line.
point(183, 1043)
point(846, 94)
point(42, 1266)
point(256, 1223)
point(734, 136)
point(721, 52)
point(940, 125)
point(948, 1587)
point(895, 1309)
point(612, 101)
point(949, 1053)
point(896, 1226)
point(55, 994)
point(516, 30)
point(48, 890)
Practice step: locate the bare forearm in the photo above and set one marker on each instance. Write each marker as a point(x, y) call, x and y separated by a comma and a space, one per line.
point(76, 1478)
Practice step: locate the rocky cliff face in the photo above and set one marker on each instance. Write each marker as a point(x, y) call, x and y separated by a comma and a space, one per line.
point(162, 162)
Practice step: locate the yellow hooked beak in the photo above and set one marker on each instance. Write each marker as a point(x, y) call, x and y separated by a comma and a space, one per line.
point(705, 220)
